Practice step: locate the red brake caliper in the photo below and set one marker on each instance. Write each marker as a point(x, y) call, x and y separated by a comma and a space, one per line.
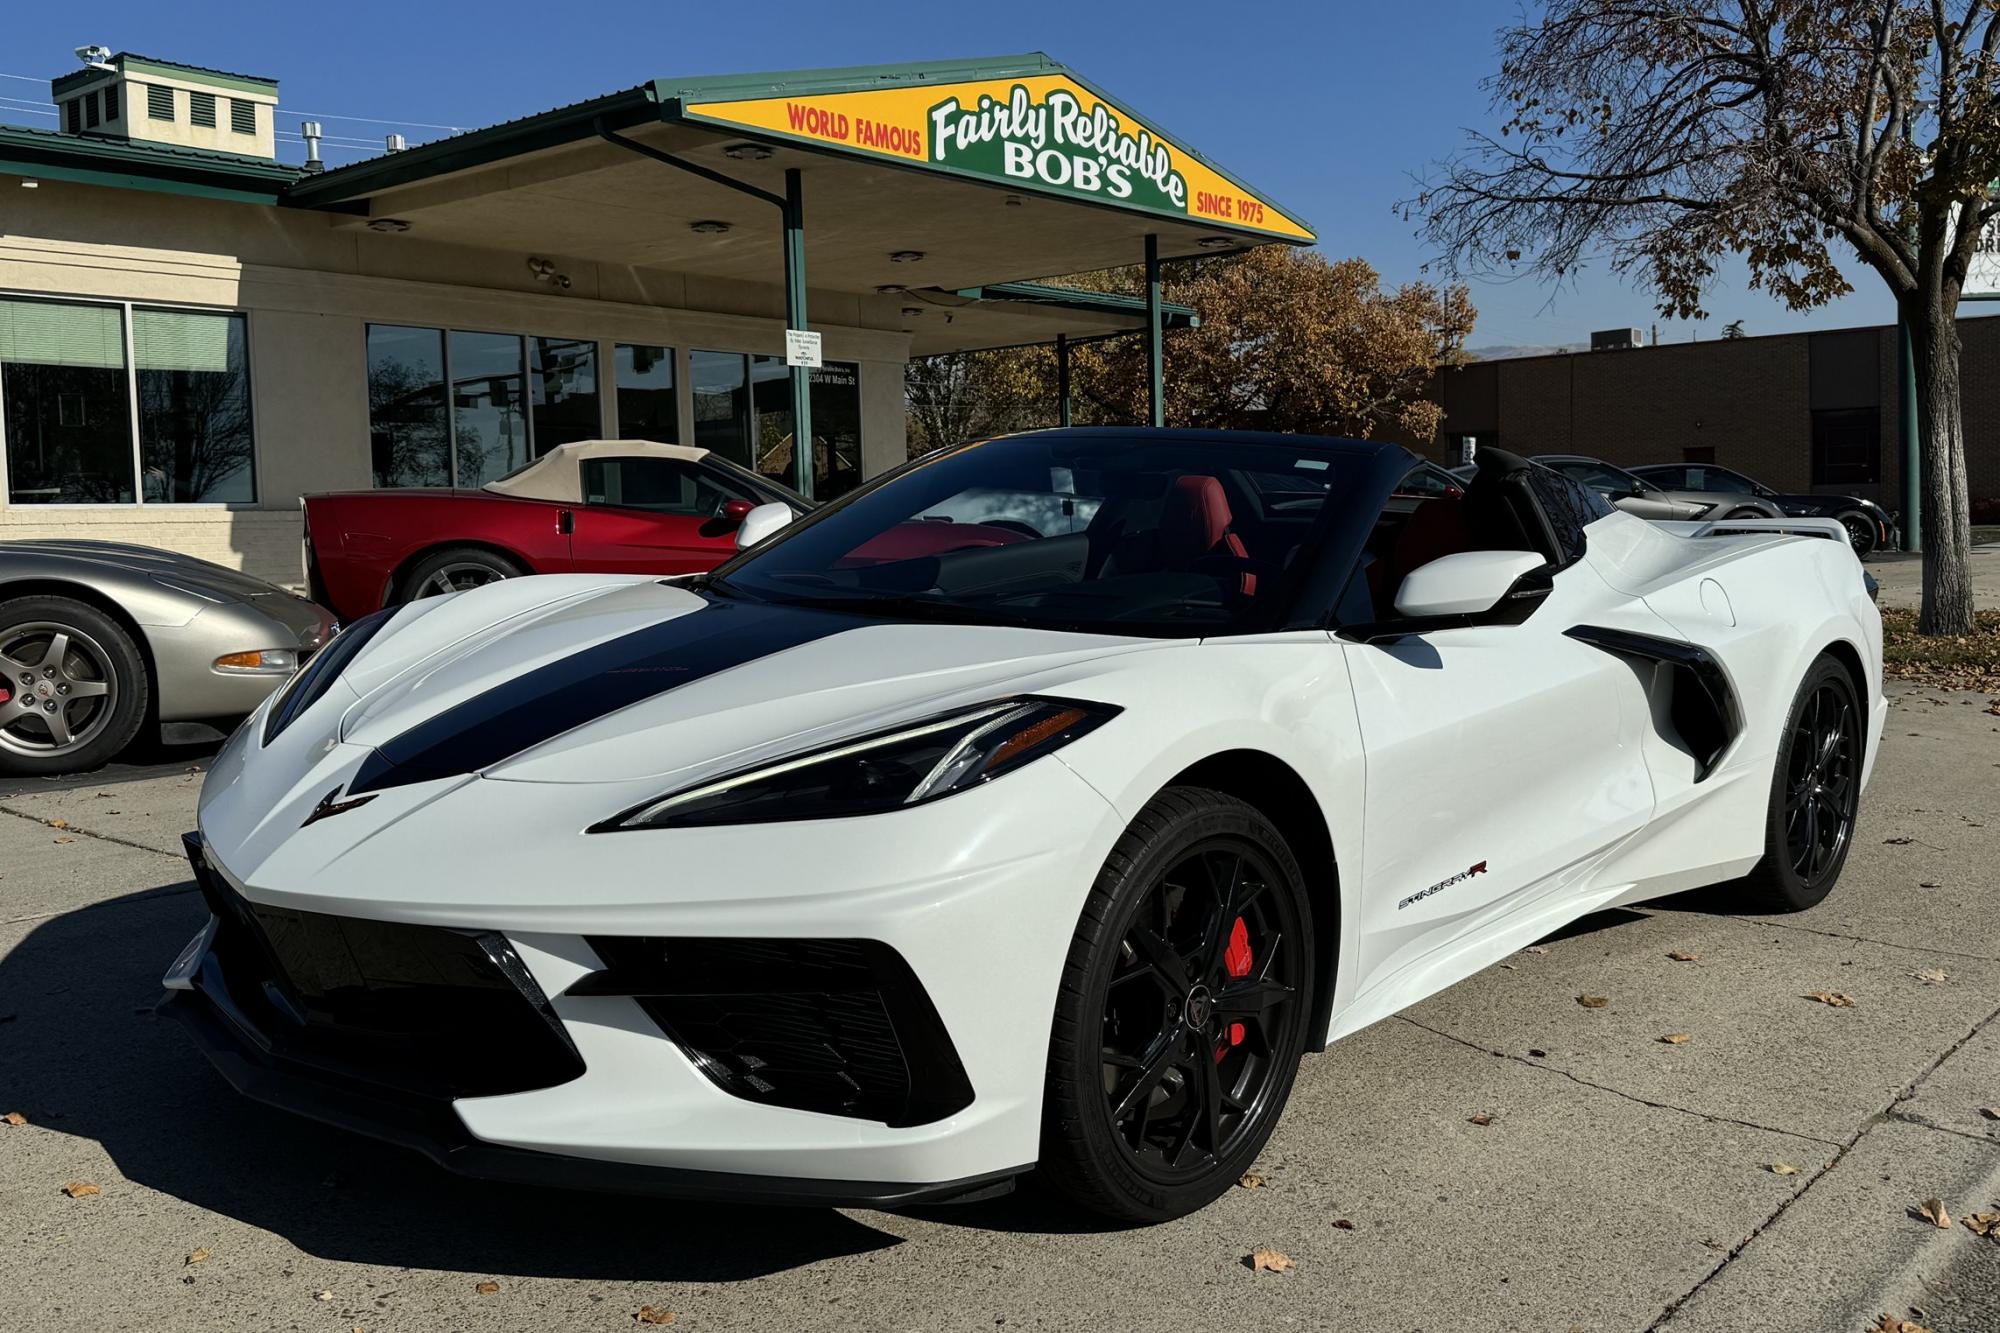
point(1237, 959)
point(5, 695)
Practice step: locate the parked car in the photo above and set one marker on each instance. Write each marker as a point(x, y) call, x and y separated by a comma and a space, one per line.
point(606, 506)
point(1869, 526)
point(99, 639)
point(1636, 495)
point(594, 506)
point(838, 881)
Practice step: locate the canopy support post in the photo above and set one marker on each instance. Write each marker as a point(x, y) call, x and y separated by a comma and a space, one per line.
point(1156, 401)
point(795, 318)
point(1062, 378)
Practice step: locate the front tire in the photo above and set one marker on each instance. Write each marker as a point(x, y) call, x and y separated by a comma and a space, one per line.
point(1815, 793)
point(1182, 1011)
point(76, 687)
point(1860, 532)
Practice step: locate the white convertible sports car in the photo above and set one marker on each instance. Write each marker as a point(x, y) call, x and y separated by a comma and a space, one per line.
point(884, 880)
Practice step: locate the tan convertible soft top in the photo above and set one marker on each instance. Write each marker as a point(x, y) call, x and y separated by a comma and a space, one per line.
point(557, 474)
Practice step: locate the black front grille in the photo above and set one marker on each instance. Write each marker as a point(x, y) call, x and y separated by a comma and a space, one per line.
point(838, 1026)
point(419, 1009)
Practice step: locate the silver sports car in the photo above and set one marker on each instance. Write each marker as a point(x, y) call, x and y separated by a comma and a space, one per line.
point(1636, 495)
point(99, 639)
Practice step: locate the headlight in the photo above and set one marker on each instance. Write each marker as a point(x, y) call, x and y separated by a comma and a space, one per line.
point(919, 762)
point(321, 672)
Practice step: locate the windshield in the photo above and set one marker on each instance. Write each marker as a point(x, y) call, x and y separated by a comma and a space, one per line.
point(1140, 534)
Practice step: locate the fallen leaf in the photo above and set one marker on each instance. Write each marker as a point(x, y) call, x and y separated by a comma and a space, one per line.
point(487, 1288)
point(1534, 948)
point(1888, 1323)
point(1481, 1119)
point(322, 1295)
point(1677, 1039)
point(1683, 956)
point(78, 1189)
point(1268, 1261)
point(65, 838)
point(1343, 1224)
point(1832, 998)
point(1933, 1211)
point(1593, 1001)
point(648, 1315)
point(15, 1118)
point(1983, 1224)
point(1931, 976)
point(1929, 884)
point(1250, 1180)
point(1782, 1169)
point(1990, 1112)
point(58, 823)
point(1897, 842)
point(195, 1256)
point(1538, 1054)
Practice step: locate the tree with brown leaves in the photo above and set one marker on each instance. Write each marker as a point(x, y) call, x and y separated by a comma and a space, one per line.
point(1288, 341)
point(1666, 133)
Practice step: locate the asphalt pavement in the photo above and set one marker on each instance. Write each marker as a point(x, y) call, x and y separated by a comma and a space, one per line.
point(1767, 1173)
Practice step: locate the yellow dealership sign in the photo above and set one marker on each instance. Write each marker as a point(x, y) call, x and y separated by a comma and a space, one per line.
point(1043, 132)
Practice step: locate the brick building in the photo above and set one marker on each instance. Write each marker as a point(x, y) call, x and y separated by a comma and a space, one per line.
point(1798, 411)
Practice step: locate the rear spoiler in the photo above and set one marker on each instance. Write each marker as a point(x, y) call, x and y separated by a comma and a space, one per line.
point(1730, 527)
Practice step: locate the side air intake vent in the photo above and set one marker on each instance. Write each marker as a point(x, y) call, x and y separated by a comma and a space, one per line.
point(1703, 710)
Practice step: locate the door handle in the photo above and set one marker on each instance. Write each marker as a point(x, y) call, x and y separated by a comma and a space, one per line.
point(565, 522)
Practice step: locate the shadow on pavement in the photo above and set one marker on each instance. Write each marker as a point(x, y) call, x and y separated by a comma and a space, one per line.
point(81, 1053)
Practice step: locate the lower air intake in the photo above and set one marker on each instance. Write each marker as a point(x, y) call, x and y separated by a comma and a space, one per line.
point(837, 1026)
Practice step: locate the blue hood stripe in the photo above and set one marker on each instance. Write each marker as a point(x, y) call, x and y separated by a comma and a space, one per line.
point(544, 703)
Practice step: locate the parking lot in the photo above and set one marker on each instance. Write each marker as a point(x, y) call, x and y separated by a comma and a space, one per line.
point(1765, 1173)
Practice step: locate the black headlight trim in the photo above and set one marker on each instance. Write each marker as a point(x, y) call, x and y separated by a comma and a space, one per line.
point(318, 674)
point(1062, 721)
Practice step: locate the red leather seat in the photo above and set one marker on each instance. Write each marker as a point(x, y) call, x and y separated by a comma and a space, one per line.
point(1195, 523)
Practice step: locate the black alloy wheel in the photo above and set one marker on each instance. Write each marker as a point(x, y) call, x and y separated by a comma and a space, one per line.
point(1183, 1011)
point(1860, 531)
point(1815, 792)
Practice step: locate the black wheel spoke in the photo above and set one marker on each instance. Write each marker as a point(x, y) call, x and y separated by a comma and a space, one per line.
point(1153, 1067)
point(1251, 999)
point(1161, 956)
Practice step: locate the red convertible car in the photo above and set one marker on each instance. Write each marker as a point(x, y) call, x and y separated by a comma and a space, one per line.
point(595, 506)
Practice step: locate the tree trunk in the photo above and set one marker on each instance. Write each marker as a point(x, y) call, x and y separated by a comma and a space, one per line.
point(1947, 516)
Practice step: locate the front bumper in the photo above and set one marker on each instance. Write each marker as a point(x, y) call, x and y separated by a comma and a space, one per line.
point(977, 895)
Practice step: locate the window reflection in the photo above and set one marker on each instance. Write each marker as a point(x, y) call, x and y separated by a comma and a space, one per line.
point(489, 423)
point(649, 405)
point(194, 406)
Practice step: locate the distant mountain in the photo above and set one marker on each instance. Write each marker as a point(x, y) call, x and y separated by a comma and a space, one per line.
point(1511, 351)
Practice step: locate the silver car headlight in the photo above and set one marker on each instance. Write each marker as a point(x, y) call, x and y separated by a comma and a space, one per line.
point(918, 762)
point(259, 662)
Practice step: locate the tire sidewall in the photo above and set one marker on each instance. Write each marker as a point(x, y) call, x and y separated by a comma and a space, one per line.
point(1779, 875)
point(1140, 1196)
point(454, 555)
point(131, 683)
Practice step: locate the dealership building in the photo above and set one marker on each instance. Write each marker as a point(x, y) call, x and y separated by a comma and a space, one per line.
point(194, 335)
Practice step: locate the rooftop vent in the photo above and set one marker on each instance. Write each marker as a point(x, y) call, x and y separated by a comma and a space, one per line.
point(1617, 340)
point(145, 99)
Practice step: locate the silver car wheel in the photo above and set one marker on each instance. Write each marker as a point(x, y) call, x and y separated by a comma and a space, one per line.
point(62, 688)
point(458, 576)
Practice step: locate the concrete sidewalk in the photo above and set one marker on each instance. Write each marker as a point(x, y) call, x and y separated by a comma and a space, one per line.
point(1622, 1184)
point(1902, 577)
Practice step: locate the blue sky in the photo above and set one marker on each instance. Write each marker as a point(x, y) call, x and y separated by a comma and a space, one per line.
point(1327, 107)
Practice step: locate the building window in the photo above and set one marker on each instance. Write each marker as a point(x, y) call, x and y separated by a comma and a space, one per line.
point(744, 401)
point(111, 102)
point(73, 115)
point(242, 116)
point(90, 111)
point(649, 403)
point(159, 102)
point(68, 411)
point(193, 375)
point(201, 109)
point(409, 434)
point(511, 400)
point(1846, 447)
point(562, 382)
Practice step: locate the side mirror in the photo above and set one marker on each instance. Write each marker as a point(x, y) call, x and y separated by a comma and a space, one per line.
point(761, 522)
point(1463, 590)
point(735, 511)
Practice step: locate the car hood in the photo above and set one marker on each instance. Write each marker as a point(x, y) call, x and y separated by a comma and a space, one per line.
point(633, 680)
point(198, 575)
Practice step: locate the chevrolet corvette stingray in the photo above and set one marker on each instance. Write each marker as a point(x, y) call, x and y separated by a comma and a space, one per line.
point(857, 880)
